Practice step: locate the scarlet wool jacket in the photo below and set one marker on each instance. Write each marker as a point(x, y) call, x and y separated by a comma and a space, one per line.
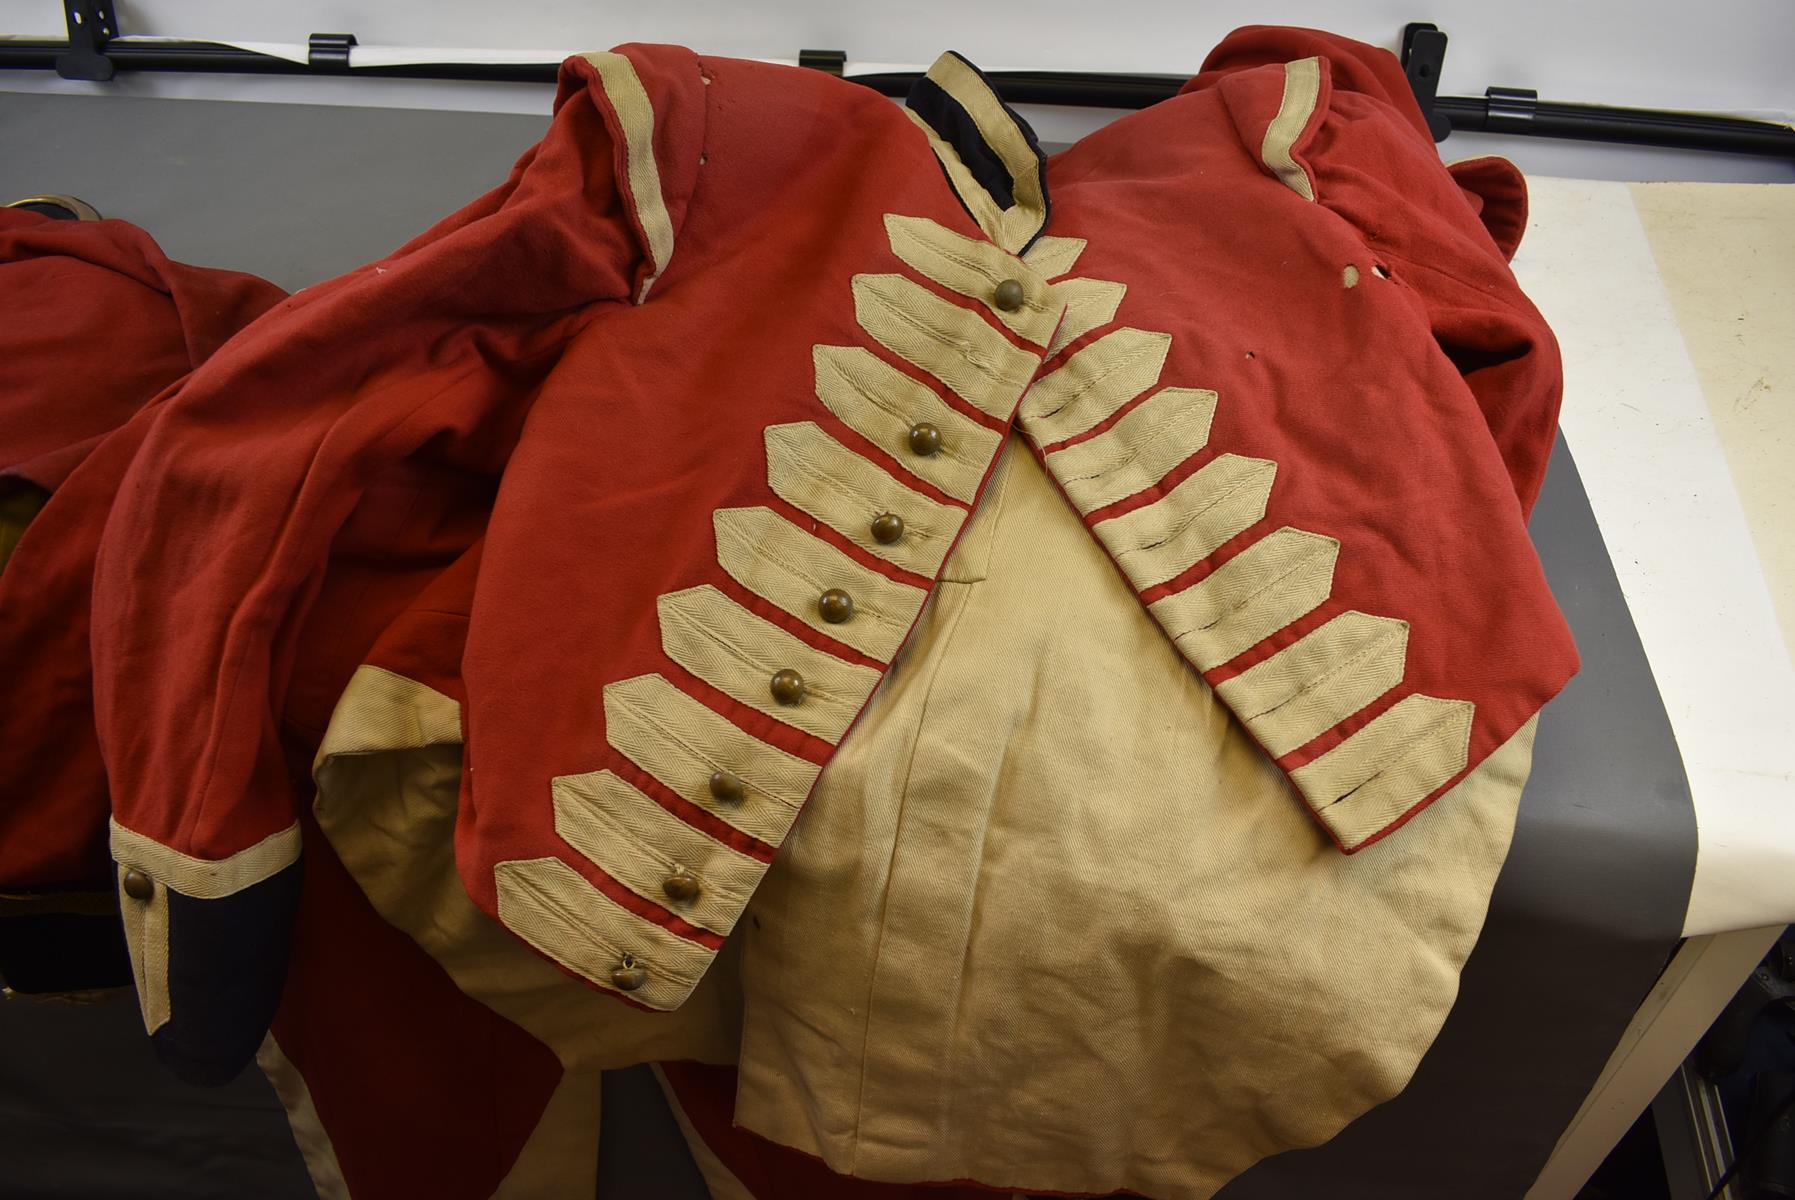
point(737, 346)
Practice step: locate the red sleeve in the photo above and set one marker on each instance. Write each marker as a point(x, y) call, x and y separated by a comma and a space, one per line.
point(94, 322)
point(367, 417)
point(431, 356)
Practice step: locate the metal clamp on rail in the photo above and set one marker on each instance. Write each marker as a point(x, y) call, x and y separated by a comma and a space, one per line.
point(829, 62)
point(329, 52)
point(1510, 109)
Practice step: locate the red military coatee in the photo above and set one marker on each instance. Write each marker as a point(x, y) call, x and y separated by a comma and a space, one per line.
point(746, 342)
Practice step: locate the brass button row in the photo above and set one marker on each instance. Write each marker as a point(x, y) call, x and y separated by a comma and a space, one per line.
point(925, 438)
point(835, 606)
point(680, 885)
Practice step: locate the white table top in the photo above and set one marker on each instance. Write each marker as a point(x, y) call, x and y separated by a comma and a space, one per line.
point(1675, 308)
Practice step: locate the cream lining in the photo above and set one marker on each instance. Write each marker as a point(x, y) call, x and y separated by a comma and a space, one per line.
point(719, 1180)
point(309, 1133)
point(389, 810)
point(895, 940)
point(381, 710)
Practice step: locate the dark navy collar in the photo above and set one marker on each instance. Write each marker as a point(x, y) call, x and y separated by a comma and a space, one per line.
point(991, 156)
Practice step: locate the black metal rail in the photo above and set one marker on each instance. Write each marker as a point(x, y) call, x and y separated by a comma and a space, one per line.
point(1499, 110)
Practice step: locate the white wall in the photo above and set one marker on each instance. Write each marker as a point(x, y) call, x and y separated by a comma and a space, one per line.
point(1729, 56)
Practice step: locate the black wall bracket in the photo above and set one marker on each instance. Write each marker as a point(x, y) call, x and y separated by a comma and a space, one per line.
point(91, 25)
point(1423, 56)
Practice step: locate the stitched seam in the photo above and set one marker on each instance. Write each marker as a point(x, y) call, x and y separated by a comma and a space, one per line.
point(890, 409)
point(595, 813)
point(1119, 463)
point(952, 256)
point(667, 734)
point(579, 931)
point(740, 654)
point(1128, 359)
point(1408, 749)
point(1303, 563)
point(846, 491)
point(879, 945)
point(966, 351)
point(1189, 518)
point(1371, 650)
point(1139, 447)
point(234, 652)
point(870, 609)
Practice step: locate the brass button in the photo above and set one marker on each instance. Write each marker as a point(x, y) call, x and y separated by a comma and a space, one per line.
point(628, 976)
point(887, 528)
point(682, 885)
point(835, 605)
point(925, 439)
point(788, 686)
point(727, 787)
point(1009, 295)
point(138, 886)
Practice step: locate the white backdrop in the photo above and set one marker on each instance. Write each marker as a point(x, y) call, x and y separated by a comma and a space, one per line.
point(1728, 56)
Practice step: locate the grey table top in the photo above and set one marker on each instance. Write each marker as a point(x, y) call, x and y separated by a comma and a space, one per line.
point(1585, 912)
